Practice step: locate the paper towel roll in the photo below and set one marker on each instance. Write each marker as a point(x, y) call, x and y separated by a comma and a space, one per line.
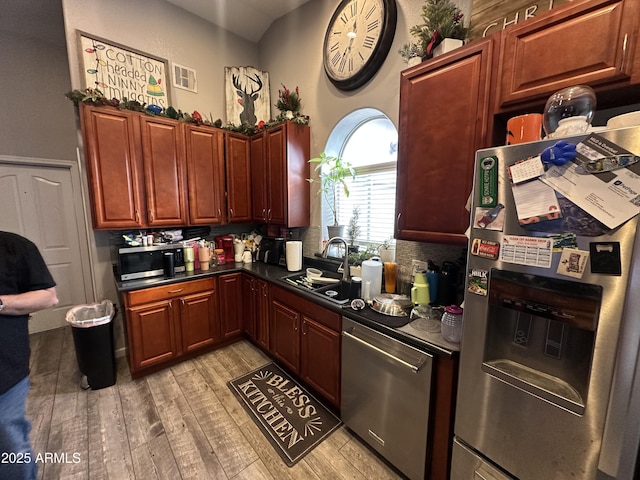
point(372, 272)
point(293, 255)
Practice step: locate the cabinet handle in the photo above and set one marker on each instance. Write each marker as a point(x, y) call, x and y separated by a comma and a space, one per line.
point(219, 213)
point(175, 291)
point(304, 330)
point(182, 301)
point(137, 216)
point(269, 215)
point(264, 214)
point(624, 51)
point(398, 221)
point(231, 212)
point(150, 216)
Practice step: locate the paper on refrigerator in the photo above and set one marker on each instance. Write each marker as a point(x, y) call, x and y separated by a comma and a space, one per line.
point(611, 197)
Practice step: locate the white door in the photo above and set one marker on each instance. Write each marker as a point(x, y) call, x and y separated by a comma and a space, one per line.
point(43, 203)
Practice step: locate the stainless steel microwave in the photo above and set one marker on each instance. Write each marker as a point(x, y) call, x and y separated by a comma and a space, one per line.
point(143, 262)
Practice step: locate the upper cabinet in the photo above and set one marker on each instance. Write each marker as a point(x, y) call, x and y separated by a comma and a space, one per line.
point(114, 167)
point(444, 119)
point(205, 173)
point(164, 171)
point(279, 173)
point(591, 42)
point(237, 155)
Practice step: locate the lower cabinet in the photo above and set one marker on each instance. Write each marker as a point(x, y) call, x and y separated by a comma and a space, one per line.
point(306, 339)
point(230, 299)
point(255, 304)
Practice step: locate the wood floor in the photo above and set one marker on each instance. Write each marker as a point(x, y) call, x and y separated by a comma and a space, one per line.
point(180, 423)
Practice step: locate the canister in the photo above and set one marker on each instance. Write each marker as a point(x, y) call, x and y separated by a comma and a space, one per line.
point(452, 324)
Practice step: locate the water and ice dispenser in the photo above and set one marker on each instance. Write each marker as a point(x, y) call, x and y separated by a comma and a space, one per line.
point(541, 334)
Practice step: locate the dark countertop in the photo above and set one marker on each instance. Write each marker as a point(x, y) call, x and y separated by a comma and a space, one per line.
point(400, 328)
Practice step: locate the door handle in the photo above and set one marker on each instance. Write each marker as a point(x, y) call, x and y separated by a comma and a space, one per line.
point(414, 368)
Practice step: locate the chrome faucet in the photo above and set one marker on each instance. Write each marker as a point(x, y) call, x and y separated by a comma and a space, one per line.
point(345, 261)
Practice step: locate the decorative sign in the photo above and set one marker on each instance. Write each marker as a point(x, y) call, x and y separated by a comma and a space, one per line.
point(121, 72)
point(491, 16)
point(247, 95)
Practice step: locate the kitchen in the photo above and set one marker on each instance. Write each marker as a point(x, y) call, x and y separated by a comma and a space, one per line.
point(381, 92)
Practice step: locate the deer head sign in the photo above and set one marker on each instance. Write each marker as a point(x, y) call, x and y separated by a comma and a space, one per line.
point(247, 95)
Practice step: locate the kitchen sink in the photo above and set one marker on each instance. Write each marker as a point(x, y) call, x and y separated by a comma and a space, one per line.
point(329, 286)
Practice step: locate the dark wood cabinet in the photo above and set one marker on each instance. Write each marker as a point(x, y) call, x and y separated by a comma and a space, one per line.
point(306, 338)
point(285, 336)
point(320, 366)
point(205, 175)
point(114, 167)
point(238, 177)
point(591, 42)
point(198, 320)
point(444, 119)
point(231, 311)
point(256, 309)
point(280, 169)
point(164, 323)
point(164, 171)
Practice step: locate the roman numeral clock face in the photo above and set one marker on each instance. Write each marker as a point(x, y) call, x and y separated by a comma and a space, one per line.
point(358, 40)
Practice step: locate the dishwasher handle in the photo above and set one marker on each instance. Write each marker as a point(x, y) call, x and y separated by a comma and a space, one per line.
point(414, 368)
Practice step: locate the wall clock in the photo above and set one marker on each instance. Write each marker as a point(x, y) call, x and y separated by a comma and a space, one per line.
point(358, 40)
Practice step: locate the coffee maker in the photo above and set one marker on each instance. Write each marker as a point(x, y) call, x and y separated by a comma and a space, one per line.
point(226, 243)
point(271, 250)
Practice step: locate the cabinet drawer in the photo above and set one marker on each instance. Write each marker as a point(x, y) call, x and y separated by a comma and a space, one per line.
point(151, 294)
point(310, 309)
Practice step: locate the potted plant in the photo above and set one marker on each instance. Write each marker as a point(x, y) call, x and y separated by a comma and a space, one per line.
point(442, 19)
point(412, 52)
point(354, 228)
point(333, 173)
point(289, 103)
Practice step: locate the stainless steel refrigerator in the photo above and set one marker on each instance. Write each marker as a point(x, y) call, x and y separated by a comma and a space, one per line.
point(549, 382)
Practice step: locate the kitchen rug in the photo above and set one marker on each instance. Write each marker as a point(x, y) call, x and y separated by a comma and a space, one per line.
point(292, 419)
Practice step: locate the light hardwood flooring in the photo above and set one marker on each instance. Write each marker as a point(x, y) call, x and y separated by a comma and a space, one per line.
point(180, 423)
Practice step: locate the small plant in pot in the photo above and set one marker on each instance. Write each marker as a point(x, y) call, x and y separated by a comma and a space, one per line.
point(333, 173)
point(441, 19)
point(353, 231)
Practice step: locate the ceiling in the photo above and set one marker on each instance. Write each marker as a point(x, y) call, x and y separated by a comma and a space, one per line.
point(249, 19)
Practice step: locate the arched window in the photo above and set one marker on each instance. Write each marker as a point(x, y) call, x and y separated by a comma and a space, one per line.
point(368, 140)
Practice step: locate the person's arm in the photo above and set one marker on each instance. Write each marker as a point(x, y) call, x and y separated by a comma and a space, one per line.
point(29, 302)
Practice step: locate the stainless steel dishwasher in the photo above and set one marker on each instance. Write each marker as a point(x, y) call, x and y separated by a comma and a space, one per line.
point(386, 392)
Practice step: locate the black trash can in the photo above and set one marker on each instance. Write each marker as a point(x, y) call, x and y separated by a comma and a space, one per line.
point(92, 328)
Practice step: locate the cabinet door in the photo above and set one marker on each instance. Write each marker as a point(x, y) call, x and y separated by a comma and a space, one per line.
point(164, 165)
point(444, 105)
point(152, 334)
point(112, 167)
point(258, 179)
point(198, 320)
point(284, 335)
point(205, 176)
point(288, 147)
point(249, 306)
point(237, 156)
point(320, 359)
point(263, 313)
point(582, 43)
point(276, 176)
point(230, 299)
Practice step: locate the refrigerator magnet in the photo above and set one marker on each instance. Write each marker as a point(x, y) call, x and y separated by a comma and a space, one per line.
point(477, 283)
point(573, 262)
point(485, 248)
